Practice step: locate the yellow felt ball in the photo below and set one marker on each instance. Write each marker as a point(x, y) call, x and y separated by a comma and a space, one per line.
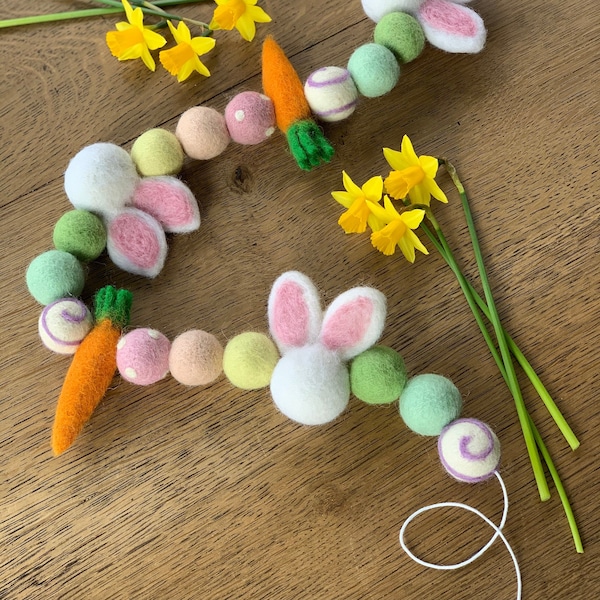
point(249, 360)
point(157, 152)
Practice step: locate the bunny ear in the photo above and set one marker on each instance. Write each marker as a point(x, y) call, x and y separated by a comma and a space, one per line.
point(354, 321)
point(452, 27)
point(294, 311)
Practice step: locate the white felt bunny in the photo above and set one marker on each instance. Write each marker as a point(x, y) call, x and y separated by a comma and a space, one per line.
point(310, 383)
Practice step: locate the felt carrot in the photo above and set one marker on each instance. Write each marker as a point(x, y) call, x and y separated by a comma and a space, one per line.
point(92, 369)
point(282, 85)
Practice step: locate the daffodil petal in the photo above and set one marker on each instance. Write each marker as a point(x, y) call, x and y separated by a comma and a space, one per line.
point(407, 249)
point(417, 196)
point(429, 164)
point(186, 69)
point(201, 67)
point(245, 25)
point(413, 218)
point(373, 189)
point(434, 189)
point(395, 159)
point(408, 152)
point(147, 58)
point(202, 45)
point(344, 198)
point(374, 223)
point(350, 186)
point(123, 25)
point(379, 212)
point(390, 208)
point(258, 14)
point(128, 11)
point(153, 40)
point(416, 242)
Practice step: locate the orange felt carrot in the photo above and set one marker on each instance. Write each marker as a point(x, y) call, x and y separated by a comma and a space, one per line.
point(92, 369)
point(292, 112)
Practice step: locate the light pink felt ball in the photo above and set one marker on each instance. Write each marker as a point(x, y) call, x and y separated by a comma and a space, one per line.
point(250, 118)
point(202, 132)
point(143, 356)
point(196, 358)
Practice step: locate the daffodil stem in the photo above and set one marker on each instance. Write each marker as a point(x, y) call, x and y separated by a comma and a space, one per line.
point(61, 16)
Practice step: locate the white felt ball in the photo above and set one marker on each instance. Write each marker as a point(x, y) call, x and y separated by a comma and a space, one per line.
point(331, 93)
point(469, 450)
point(310, 385)
point(377, 9)
point(63, 324)
point(101, 178)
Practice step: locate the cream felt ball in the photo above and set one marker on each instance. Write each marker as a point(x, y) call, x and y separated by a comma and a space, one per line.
point(331, 93)
point(377, 9)
point(143, 356)
point(469, 450)
point(196, 358)
point(64, 324)
point(80, 233)
point(401, 34)
point(157, 152)
point(310, 385)
point(374, 69)
point(428, 403)
point(250, 118)
point(53, 275)
point(249, 360)
point(101, 178)
point(202, 132)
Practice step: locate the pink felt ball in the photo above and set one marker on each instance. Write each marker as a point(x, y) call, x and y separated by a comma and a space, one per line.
point(250, 118)
point(143, 356)
point(202, 132)
point(196, 358)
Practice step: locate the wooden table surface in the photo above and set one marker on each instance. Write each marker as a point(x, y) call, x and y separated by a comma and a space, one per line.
point(176, 492)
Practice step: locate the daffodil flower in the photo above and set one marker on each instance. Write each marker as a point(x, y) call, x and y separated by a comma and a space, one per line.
point(241, 14)
point(398, 231)
point(358, 215)
point(132, 39)
point(182, 60)
point(413, 175)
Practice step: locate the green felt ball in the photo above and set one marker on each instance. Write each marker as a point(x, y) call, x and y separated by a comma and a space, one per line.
point(378, 375)
point(53, 275)
point(249, 360)
point(80, 233)
point(374, 69)
point(428, 403)
point(402, 34)
point(157, 152)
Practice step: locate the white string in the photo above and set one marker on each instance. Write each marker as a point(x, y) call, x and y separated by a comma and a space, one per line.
point(497, 529)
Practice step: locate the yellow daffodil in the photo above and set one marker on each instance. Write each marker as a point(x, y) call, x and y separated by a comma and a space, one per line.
point(398, 231)
point(132, 39)
point(182, 60)
point(358, 215)
point(241, 14)
point(413, 175)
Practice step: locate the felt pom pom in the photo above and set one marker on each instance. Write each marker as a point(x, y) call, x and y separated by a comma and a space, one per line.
point(401, 34)
point(202, 132)
point(249, 360)
point(469, 450)
point(143, 356)
point(80, 233)
point(377, 9)
point(63, 324)
point(374, 69)
point(170, 202)
point(136, 243)
point(378, 375)
point(250, 118)
point(196, 358)
point(157, 152)
point(331, 93)
point(101, 178)
point(428, 403)
point(53, 275)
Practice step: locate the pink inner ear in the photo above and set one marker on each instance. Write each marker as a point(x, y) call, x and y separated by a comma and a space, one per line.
point(449, 17)
point(348, 325)
point(169, 204)
point(135, 239)
point(289, 317)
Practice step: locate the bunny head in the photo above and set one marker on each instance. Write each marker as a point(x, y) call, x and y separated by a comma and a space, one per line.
point(310, 383)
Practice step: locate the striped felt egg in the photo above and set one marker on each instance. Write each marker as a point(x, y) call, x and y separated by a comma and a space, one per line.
point(331, 93)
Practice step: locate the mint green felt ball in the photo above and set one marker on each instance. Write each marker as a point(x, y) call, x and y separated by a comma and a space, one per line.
point(80, 233)
point(428, 403)
point(53, 275)
point(402, 34)
point(374, 69)
point(157, 152)
point(249, 360)
point(378, 375)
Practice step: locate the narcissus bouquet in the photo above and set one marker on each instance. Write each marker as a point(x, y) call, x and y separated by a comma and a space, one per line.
point(393, 217)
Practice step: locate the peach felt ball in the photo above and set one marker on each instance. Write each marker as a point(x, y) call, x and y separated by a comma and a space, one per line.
point(250, 118)
point(143, 356)
point(196, 358)
point(202, 132)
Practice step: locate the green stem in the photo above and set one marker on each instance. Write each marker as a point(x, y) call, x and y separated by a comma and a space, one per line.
point(62, 16)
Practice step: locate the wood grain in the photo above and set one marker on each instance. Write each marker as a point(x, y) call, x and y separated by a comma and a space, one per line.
point(176, 492)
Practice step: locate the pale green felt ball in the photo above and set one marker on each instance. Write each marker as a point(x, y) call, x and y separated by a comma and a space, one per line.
point(80, 233)
point(402, 34)
point(249, 360)
point(374, 69)
point(53, 275)
point(428, 403)
point(157, 152)
point(378, 375)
